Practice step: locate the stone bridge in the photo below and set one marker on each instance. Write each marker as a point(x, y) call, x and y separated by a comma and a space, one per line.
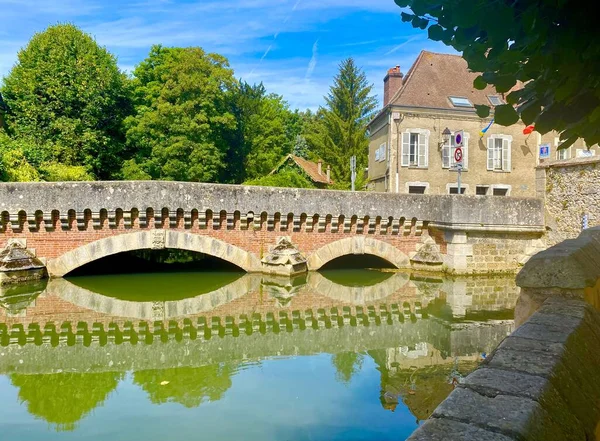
point(68, 225)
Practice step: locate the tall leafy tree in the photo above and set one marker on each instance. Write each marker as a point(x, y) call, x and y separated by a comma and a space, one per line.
point(182, 116)
point(545, 51)
point(67, 96)
point(264, 133)
point(339, 130)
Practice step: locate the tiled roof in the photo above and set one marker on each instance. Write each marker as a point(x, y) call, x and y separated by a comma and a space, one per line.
point(309, 167)
point(434, 77)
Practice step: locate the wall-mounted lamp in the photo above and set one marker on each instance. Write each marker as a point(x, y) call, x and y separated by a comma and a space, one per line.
point(446, 137)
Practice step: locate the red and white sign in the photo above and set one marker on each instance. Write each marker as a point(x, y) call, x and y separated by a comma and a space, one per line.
point(458, 155)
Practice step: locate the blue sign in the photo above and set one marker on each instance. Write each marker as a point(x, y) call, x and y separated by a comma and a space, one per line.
point(544, 150)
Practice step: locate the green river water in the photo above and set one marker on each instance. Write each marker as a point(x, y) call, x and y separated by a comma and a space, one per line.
point(338, 355)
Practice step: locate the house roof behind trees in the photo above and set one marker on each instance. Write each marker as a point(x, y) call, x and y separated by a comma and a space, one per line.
point(434, 78)
point(309, 167)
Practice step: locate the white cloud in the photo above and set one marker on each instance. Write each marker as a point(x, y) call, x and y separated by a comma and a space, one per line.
point(313, 60)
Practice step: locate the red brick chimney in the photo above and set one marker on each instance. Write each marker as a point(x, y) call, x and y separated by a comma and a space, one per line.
point(391, 84)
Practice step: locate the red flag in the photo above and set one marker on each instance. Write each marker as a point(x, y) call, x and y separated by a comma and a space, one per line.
point(527, 130)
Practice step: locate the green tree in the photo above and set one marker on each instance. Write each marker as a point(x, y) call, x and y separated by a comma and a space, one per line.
point(14, 166)
point(339, 129)
point(182, 116)
point(285, 178)
point(68, 97)
point(264, 133)
point(545, 53)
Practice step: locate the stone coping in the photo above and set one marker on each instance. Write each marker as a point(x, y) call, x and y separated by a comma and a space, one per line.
point(541, 383)
point(568, 162)
point(570, 265)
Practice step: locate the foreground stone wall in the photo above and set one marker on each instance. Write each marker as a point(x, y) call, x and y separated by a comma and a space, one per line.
point(542, 382)
point(570, 190)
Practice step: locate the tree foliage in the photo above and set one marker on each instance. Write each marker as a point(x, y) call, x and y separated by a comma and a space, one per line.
point(67, 96)
point(181, 115)
point(339, 129)
point(262, 134)
point(284, 178)
point(544, 54)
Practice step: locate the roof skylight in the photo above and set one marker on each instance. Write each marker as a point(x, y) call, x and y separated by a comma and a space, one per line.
point(458, 101)
point(495, 100)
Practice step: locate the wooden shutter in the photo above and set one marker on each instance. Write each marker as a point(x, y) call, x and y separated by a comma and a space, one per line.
point(405, 148)
point(423, 158)
point(506, 148)
point(490, 154)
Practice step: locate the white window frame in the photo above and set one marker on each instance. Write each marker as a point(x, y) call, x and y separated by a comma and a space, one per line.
point(382, 150)
point(564, 154)
point(455, 185)
point(407, 186)
point(420, 157)
point(486, 186)
point(508, 189)
point(448, 152)
point(499, 159)
point(465, 102)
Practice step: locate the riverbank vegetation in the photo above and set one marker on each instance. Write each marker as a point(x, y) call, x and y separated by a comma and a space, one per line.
point(67, 112)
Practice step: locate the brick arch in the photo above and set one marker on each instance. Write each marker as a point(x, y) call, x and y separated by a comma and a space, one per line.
point(357, 245)
point(151, 239)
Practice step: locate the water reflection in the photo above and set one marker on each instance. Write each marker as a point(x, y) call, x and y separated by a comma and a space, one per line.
point(66, 346)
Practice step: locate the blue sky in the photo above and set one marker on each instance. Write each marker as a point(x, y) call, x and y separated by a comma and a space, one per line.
point(292, 46)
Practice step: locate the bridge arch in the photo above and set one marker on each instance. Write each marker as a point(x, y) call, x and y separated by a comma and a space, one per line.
point(357, 245)
point(151, 239)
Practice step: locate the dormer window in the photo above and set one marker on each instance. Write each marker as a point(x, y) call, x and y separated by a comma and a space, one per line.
point(459, 101)
point(495, 100)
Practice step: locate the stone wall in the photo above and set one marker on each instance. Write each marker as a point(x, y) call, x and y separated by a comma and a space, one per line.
point(570, 190)
point(542, 382)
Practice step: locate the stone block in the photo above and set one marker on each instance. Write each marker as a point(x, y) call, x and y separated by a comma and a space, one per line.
point(441, 429)
point(516, 417)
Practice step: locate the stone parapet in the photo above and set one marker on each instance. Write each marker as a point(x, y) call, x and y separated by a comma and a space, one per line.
point(63, 202)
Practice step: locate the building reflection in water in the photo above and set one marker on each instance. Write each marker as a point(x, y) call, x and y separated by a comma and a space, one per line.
point(66, 347)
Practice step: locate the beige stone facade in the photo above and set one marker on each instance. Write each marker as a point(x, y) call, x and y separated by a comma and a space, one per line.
point(409, 154)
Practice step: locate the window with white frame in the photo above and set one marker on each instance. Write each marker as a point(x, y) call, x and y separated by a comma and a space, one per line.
point(562, 153)
point(584, 153)
point(381, 153)
point(448, 150)
point(499, 153)
point(415, 148)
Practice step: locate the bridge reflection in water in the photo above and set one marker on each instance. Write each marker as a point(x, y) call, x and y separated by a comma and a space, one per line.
point(67, 346)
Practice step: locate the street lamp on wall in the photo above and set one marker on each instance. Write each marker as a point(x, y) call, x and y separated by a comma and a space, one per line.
point(446, 137)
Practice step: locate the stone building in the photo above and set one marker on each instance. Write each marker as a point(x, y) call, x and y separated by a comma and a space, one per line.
point(408, 152)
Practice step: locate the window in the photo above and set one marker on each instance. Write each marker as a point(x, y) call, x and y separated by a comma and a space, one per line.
point(584, 153)
point(416, 189)
point(459, 101)
point(454, 190)
point(448, 152)
point(495, 100)
point(482, 190)
point(415, 149)
point(381, 153)
point(563, 153)
point(499, 152)
point(500, 192)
